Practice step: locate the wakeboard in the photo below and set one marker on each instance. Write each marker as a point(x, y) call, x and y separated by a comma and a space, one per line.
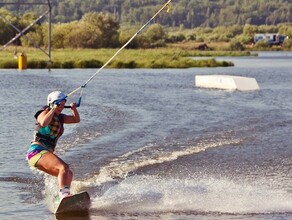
point(77, 204)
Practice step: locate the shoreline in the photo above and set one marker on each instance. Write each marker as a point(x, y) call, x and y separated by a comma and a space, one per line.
point(173, 56)
point(128, 58)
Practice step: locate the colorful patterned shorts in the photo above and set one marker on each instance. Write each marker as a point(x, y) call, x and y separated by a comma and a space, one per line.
point(34, 154)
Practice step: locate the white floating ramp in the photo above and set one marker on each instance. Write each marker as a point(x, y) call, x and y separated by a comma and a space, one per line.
point(227, 82)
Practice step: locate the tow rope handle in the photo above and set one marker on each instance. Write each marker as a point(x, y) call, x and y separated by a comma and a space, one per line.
point(78, 104)
point(79, 99)
point(68, 106)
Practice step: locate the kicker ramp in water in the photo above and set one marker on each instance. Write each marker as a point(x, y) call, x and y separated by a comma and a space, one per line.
point(227, 82)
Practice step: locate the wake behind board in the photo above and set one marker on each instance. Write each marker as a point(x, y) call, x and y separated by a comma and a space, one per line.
point(77, 204)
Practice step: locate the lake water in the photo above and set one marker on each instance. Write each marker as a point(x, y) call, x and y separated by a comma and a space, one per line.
point(150, 145)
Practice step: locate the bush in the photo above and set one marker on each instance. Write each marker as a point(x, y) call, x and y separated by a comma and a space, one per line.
point(176, 38)
point(68, 65)
point(139, 41)
point(88, 64)
point(56, 65)
point(128, 65)
point(236, 45)
point(287, 44)
point(244, 39)
point(9, 65)
point(191, 37)
point(262, 45)
point(156, 35)
point(33, 38)
point(40, 64)
point(84, 36)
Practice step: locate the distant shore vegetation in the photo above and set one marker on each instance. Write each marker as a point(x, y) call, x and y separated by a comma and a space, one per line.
point(128, 58)
point(92, 40)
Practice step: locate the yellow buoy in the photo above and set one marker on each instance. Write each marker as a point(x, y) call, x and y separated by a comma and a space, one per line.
point(22, 62)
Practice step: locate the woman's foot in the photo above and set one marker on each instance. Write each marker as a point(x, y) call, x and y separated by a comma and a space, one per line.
point(64, 192)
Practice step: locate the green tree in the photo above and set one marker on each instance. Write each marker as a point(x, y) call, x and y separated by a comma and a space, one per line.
point(84, 36)
point(60, 33)
point(34, 38)
point(190, 13)
point(140, 41)
point(249, 32)
point(6, 31)
point(156, 35)
point(106, 25)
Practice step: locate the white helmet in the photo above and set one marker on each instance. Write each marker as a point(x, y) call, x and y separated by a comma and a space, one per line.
point(54, 96)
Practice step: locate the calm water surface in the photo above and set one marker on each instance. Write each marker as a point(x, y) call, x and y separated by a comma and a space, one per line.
point(153, 146)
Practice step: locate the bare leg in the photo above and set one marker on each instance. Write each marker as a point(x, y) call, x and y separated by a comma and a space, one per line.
point(53, 165)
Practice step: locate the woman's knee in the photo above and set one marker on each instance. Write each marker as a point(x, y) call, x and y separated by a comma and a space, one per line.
point(64, 168)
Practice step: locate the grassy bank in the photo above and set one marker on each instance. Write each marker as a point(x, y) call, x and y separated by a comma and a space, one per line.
point(90, 58)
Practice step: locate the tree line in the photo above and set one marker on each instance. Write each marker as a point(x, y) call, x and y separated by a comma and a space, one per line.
point(186, 13)
point(102, 30)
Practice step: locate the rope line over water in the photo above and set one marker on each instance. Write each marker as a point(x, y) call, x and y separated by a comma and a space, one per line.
point(166, 5)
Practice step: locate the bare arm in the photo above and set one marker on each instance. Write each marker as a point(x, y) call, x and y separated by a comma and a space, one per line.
point(74, 118)
point(46, 116)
